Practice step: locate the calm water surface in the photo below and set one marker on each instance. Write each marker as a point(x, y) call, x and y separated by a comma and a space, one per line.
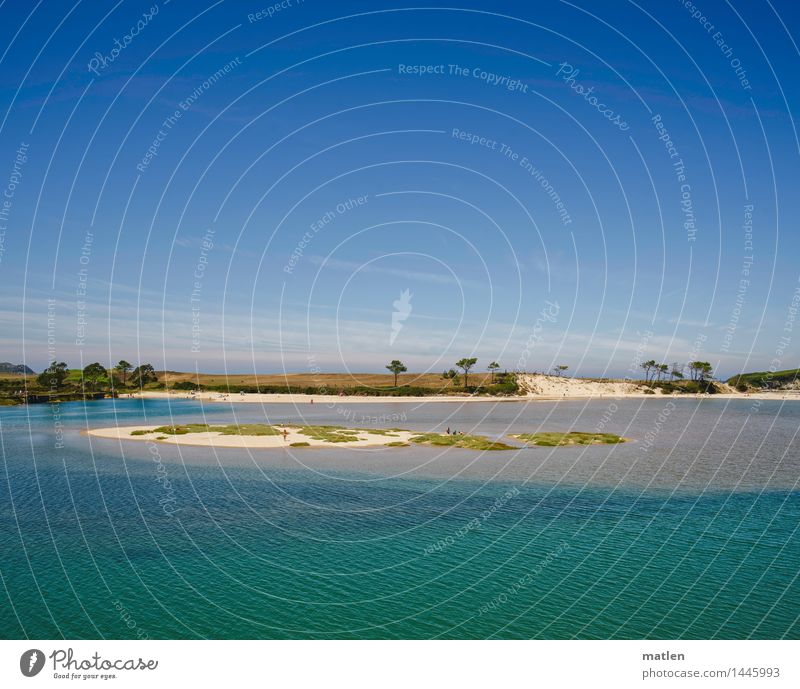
point(688, 531)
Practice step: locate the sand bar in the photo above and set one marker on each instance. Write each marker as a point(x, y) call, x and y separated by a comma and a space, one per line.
point(215, 439)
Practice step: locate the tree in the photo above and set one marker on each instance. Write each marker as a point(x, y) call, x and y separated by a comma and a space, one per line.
point(675, 373)
point(648, 366)
point(53, 376)
point(143, 374)
point(396, 367)
point(492, 368)
point(465, 365)
point(123, 367)
point(560, 369)
point(93, 374)
point(661, 369)
point(700, 370)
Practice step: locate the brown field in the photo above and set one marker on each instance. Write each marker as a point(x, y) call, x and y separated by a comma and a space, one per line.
point(17, 376)
point(331, 381)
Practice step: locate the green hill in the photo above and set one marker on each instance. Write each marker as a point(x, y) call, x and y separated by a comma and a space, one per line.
point(766, 379)
point(8, 367)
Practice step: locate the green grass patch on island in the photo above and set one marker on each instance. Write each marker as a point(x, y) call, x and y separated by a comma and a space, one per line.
point(179, 430)
point(230, 429)
point(246, 429)
point(571, 438)
point(471, 442)
point(380, 431)
point(330, 434)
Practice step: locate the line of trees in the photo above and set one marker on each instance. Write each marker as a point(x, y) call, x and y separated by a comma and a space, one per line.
point(95, 376)
point(700, 371)
point(466, 364)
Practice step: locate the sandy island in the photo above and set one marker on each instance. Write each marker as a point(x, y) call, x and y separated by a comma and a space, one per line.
point(292, 436)
point(216, 439)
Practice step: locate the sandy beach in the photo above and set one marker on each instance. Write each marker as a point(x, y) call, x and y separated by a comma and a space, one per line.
point(535, 387)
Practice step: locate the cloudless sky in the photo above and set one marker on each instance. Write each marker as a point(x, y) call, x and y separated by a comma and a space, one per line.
point(303, 173)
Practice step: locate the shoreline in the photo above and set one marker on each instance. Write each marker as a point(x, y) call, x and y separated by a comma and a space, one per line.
point(331, 401)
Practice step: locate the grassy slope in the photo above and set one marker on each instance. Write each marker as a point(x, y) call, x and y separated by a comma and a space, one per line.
point(759, 379)
point(19, 377)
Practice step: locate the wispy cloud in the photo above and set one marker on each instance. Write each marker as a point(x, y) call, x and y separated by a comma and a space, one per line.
point(442, 278)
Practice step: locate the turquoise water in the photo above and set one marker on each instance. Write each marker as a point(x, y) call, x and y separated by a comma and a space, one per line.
point(410, 543)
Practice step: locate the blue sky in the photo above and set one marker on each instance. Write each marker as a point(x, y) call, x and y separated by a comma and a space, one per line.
point(597, 162)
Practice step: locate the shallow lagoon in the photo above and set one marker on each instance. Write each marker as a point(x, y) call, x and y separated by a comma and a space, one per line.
point(689, 531)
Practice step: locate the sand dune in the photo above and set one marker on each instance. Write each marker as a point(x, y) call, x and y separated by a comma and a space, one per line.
point(561, 386)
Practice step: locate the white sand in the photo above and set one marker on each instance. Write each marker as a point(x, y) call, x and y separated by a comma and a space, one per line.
point(539, 386)
point(214, 439)
point(562, 386)
point(329, 401)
